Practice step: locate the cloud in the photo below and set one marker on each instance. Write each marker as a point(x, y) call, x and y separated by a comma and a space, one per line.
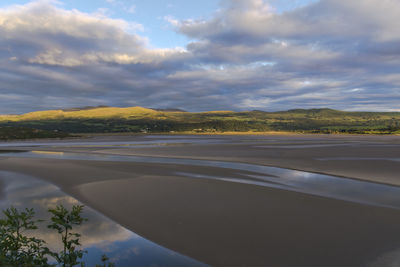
point(48, 53)
point(350, 42)
point(42, 33)
point(332, 53)
point(19, 190)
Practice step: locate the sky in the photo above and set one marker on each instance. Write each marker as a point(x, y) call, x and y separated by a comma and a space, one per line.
point(200, 55)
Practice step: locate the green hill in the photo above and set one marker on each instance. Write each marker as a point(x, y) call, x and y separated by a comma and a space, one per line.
point(12, 133)
point(144, 120)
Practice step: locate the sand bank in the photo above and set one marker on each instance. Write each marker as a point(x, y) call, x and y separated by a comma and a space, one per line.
point(228, 224)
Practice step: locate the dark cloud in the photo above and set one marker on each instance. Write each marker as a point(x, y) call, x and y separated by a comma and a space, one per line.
point(332, 53)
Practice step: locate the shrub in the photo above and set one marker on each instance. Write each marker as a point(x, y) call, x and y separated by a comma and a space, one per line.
point(18, 248)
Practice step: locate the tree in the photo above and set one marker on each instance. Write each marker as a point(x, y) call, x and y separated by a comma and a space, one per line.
point(18, 248)
point(63, 221)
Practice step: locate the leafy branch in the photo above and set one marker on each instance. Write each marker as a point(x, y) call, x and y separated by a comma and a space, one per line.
point(18, 248)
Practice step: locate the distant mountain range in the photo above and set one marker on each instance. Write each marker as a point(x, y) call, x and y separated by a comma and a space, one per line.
point(105, 119)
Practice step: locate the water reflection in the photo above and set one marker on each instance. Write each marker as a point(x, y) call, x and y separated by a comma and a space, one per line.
point(99, 235)
point(301, 146)
point(358, 158)
point(159, 141)
point(389, 259)
point(300, 181)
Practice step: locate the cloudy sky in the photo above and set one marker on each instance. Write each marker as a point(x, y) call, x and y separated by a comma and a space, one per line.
point(200, 55)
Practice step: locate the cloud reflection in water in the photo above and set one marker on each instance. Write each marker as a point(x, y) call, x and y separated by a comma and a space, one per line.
point(99, 234)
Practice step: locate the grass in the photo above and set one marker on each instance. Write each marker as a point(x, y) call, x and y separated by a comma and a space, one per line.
point(143, 120)
point(12, 133)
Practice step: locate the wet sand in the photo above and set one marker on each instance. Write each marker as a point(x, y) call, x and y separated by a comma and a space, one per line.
point(229, 224)
point(299, 152)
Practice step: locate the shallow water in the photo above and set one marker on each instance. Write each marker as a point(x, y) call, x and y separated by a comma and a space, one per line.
point(127, 249)
point(100, 235)
point(145, 142)
point(358, 158)
point(299, 181)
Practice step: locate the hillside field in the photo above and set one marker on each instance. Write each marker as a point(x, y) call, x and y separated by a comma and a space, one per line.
point(142, 120)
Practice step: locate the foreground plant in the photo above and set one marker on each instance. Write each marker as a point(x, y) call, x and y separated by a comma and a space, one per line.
point(63, 221)
point(18, 248)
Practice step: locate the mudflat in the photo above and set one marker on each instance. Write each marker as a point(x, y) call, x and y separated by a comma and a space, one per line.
point(231, 224)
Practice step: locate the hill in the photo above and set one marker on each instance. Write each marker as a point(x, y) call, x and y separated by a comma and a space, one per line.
point(12, 133)
point(144, 120)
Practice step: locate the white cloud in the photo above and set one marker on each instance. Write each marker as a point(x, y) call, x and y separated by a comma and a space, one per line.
point(245, 56)
point(256, 103)
point(172, 20)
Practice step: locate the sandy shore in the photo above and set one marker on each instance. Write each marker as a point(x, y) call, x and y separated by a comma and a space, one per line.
point(338, 155)
point(228, 224)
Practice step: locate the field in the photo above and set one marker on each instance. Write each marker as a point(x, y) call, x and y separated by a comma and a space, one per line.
point(143, 120)
point(11, 133)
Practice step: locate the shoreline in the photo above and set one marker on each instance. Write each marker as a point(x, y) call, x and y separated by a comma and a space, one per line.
point(228, 224)
point(269, 133)
point(297, 161)
point(152, 207)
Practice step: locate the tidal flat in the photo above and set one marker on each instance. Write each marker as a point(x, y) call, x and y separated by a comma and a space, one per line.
point(290, 200)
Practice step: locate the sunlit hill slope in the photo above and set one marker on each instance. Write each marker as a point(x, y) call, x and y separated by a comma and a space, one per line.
point(145, 120)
